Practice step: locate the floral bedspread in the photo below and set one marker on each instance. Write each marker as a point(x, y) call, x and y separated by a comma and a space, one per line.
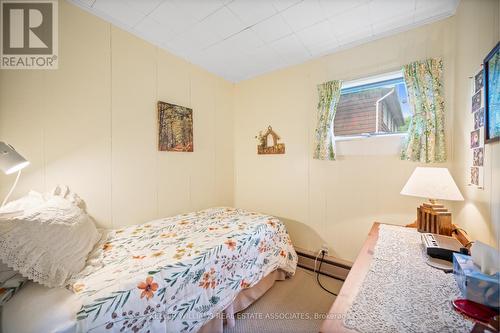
point(175, 274)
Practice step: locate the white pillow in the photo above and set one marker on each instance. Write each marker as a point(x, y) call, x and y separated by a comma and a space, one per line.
point(50, 241)
point(17, 207)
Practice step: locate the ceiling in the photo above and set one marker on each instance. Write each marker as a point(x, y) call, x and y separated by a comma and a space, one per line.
point(239, 39)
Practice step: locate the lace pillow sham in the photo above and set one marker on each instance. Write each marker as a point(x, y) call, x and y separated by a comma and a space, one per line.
point(50, 241)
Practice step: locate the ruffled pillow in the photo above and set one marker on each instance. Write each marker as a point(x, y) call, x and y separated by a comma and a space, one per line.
point(17, 207)
point(50, 241)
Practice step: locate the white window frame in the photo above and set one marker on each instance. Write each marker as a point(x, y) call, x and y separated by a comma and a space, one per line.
point(372, 79)
point(370, 143)
point(368, 80)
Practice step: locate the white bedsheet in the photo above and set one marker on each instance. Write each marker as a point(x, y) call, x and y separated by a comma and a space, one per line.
point(36, 309)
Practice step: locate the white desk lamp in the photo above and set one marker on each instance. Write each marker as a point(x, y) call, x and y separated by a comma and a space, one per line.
point(10, 162)
point(434, 184)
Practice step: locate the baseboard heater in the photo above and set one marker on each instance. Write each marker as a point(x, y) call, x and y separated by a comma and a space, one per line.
point(332, 267)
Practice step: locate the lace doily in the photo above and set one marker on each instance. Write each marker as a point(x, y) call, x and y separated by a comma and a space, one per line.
point(401, 293)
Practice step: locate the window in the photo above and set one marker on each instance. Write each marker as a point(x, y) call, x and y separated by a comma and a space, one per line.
point(373, 105)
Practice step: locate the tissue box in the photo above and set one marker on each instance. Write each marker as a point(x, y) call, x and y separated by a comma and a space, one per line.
point(475, 285)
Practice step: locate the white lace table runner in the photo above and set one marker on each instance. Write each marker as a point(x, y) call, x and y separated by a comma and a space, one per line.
point(401, 293)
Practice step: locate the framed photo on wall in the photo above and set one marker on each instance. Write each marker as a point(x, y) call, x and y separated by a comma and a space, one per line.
point(175, 128)
point(491, 67)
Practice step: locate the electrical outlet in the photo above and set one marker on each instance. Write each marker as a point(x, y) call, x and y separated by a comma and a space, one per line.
point(324, 249)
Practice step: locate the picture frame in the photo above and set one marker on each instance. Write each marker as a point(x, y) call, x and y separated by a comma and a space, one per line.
point(491, 66)
point(474, 176)
point(479, 119)
point(476, 101)
point(475, 139)
point(175, 127)
point(478, 157)
point(478, 81)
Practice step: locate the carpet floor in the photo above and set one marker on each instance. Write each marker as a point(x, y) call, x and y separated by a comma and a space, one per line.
point(296, 305)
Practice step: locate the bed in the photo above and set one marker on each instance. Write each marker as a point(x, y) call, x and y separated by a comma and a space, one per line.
point(187, 273)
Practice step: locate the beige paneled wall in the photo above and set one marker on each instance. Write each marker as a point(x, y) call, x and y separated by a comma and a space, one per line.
point(91, 124)
point(324, 202)
point(134, 168)
point(477, 29)
point(75, 108)
point(60, 119)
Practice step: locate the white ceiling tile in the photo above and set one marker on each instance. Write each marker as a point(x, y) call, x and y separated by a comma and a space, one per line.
point(427, 9)
point(230, 65)
point(252, 12)
point(358, 18)
point(151, 30)
point(224, 23)
point(284, 4)
point(243, 41)
point(221, 54)
point(118, 11)
point(433, 4)
point(354, 36)
point(182, 47)
point(243, 66)
point(273, 28)
point(199, 36)
point(235, 65)
point(169, 15)
point(322, 49)
point(263, 55)
point(194, 40)
point(337, 7)
point(318, 34)
point(384, 10)
point(143, 6)
point(253, 66)
point(304, 14)
point(199, 9)
point(212, 57)
point(394, 23)
point(290, 49)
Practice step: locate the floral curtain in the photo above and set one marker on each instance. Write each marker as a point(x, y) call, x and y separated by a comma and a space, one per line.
point(329, 94)
point(426, 137)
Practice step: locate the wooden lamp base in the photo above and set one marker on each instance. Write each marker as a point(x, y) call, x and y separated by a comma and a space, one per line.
point(435, 218)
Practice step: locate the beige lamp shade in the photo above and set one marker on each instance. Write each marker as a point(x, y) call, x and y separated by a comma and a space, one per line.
point(432, 183)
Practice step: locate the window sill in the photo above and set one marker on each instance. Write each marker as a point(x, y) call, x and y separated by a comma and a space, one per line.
point(383, 144)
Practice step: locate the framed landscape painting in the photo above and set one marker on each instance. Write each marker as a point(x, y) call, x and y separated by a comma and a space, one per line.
point(175, 128)
point(492, 94)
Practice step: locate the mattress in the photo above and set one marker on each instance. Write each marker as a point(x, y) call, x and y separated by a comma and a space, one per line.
point(169, 275)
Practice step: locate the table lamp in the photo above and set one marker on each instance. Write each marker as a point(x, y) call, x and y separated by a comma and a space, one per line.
point(434, 184)
point(10, 162)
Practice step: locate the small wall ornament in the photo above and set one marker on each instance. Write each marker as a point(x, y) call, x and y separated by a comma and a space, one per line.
point(268, 142)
